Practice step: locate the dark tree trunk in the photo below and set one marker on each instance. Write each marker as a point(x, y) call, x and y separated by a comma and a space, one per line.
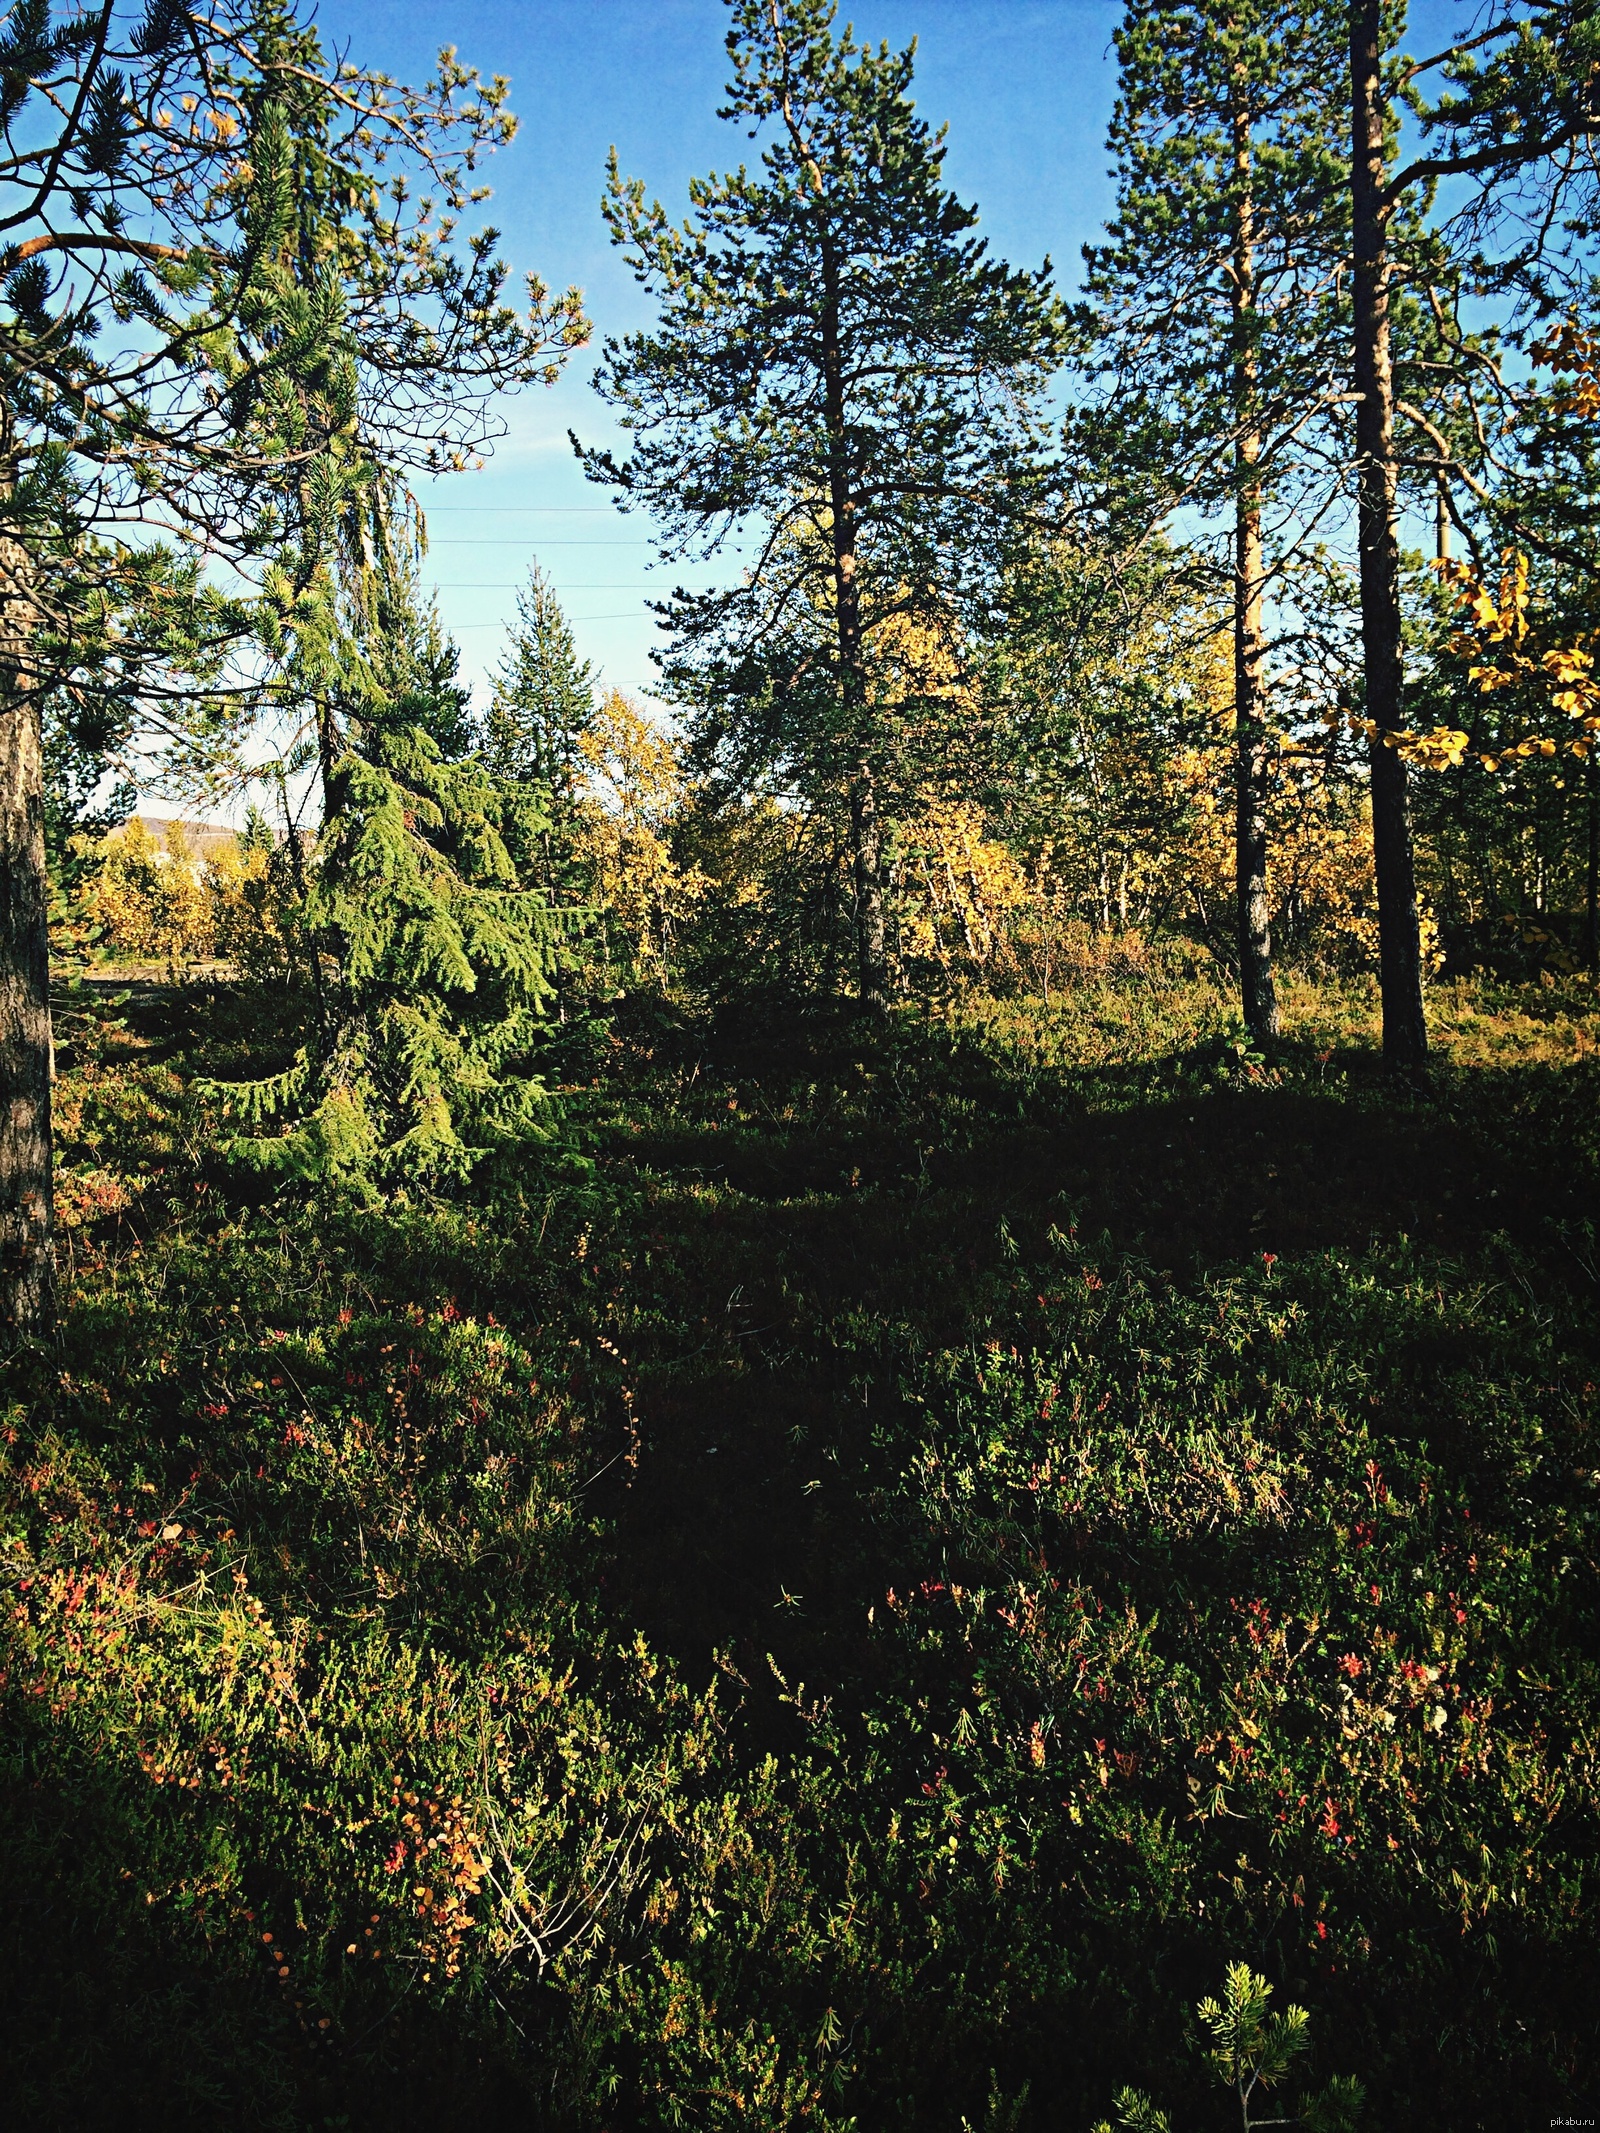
point(1591, 901)
point(1405, 1033)
point(27, 1203)
point(872, 963)
point(1251, 770)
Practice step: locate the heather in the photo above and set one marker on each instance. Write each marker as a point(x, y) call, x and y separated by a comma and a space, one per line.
point(849, 1604)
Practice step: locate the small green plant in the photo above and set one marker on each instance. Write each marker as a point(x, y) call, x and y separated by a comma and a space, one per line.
point(1233, 1052)
point(1136, 2114)
point(1252, 2049)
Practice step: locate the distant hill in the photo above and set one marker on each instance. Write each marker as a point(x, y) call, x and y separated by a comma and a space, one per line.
point(201, 837)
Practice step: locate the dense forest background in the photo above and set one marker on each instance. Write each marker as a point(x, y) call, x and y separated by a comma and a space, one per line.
point(860, 1394)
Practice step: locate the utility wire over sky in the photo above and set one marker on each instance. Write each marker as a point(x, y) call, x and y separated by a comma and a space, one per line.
point(1025, 86)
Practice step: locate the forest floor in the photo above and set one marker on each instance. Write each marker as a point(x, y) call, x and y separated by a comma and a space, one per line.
point(926, 1540)
point(809, 1194)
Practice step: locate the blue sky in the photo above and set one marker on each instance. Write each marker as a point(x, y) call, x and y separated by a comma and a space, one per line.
point(1026, 88)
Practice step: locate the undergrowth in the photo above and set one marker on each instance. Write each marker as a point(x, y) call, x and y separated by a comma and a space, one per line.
point(846, 1597)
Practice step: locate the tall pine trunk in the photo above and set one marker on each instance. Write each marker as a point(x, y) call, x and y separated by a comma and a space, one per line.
point(1591, 886)
point(1251, 770)
point(27, 1201)
point(866, 839)
point(1405, 1034)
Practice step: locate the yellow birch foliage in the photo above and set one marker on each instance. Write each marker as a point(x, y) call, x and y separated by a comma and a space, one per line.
point(634, 788)
point(1143, 830)
point(249, 922)
point(922, 698)
point(961, 896)
point(163, 902)
point(1503, 649)
point(150, 898)
point(960, 892)
point(1322, 874)
point(1504, 652)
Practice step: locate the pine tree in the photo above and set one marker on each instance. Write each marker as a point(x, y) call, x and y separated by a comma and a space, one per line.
point(1519, 91)
point(840, 372)
point(1215, 305)
point(1405, 1029)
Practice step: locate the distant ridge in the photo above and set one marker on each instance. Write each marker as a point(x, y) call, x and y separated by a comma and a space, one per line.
point(202, 838)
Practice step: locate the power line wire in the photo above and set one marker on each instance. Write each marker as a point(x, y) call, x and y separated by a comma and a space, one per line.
point(520, 510)
point(494, 585)
point(489, 540)
point(632, 614)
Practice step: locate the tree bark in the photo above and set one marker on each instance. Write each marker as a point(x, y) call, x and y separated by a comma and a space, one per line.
point(866, 840)
point(1591, 898)
point(1251, 770)
point(1405, 1033)
point(27, 1200)
point(872, 963)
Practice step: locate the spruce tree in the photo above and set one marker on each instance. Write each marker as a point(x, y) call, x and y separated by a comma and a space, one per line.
point(840, 374)
point(414, 662)
point(432, 956)
point(541, 697)
point(1215, 309)
point(541, 707)
point(233, 282)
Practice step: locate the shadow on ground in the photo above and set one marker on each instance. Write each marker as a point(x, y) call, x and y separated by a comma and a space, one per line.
point(810, 1222)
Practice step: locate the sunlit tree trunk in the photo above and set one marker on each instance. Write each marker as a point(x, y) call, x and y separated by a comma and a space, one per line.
point(27, 1206)
point(1405, 1034)
point(1251, 768)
